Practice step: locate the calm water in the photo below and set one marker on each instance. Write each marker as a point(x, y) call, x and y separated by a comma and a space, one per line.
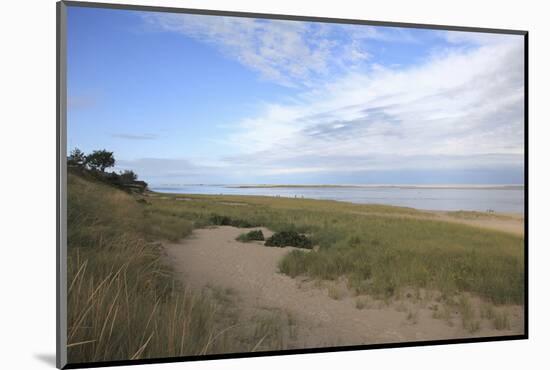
point(468, 199)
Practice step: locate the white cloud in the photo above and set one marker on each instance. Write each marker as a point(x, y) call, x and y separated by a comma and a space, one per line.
point(291, 53)
point(462, 108)
point(476, 38)
point(281, 51)
point(127, 136)
point(381, 33)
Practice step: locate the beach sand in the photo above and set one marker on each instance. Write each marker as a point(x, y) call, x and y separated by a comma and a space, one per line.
point(507, 222)
point(512, 223)
point(212, 257)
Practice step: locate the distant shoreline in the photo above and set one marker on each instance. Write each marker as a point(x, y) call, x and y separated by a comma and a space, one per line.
point(509, 221)
point(500, 198)
point(366, 186)
point(192, 196)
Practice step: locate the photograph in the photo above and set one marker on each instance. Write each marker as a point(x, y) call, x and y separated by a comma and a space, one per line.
point(241, 184)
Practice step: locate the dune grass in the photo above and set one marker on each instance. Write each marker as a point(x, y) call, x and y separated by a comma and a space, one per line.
point(254, 235)
point(379, 249)
point(124, 302)
point(475, 215)
point(289, 238)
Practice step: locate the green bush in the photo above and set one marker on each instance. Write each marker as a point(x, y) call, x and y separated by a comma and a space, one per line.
point(289, 239)
point(219, 220)
point(252, 235)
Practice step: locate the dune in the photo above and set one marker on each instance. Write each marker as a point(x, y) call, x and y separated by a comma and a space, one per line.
point(324, 313)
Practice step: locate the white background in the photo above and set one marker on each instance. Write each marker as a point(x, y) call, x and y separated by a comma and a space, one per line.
point(27, 173)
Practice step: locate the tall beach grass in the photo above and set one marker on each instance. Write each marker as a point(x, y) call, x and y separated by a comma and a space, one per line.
point(378, 249)
point(124, 301)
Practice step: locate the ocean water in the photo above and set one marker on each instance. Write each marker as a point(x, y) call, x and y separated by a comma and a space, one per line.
point(499, 199)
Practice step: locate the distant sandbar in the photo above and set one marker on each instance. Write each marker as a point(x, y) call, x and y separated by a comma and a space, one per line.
point(374, 186)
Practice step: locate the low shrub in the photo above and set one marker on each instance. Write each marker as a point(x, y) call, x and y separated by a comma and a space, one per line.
point(251, 235)
point(294, 264)
point(289, 239)
point(219, 220)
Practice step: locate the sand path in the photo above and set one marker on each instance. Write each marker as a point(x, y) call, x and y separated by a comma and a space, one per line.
point(212, 257)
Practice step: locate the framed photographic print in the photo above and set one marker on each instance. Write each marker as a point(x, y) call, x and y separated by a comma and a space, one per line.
point(235, 184)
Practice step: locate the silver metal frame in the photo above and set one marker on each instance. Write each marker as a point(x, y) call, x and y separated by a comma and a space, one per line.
point(61, 255)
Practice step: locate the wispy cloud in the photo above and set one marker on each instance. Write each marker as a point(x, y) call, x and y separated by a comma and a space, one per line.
point(462, 108)
point(170, 170)
point(459, 107)
point(291, 53)
point(387, 34)
point(475, 38)
point(135, 136)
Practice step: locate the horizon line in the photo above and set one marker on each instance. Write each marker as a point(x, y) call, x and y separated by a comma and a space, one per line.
point(253, 185)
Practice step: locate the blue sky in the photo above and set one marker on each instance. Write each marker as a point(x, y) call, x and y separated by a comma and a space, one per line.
point(202, 99)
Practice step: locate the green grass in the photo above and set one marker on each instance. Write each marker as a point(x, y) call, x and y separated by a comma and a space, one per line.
point(501, 321)
point(275, 329)
point(474, 215)
point(499, 318)
point(468, 315)
point(383, 255)
point(219, 220)
point(379, 249)
point(124, 302)
point(254, 235)
point(289, 239)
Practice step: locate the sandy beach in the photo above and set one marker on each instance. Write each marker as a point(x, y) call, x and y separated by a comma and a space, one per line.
point(512, 223)
point(212, 257)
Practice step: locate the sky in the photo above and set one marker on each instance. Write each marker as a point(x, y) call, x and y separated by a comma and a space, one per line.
point(198, 99)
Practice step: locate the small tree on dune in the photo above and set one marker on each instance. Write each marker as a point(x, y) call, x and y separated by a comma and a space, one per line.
point(76, 158)
point(100, 160)
point(128, 176)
